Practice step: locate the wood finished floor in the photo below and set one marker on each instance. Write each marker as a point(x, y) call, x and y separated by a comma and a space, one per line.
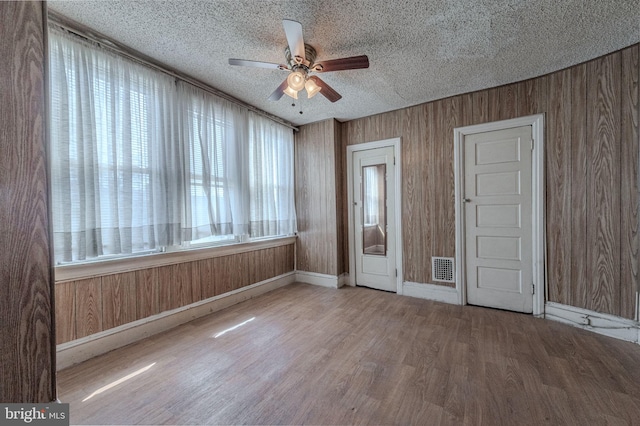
point(312, 355)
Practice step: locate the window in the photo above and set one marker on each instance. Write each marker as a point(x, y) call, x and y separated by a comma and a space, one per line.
point(270, 179)
point(209, 135)
point(141, 162)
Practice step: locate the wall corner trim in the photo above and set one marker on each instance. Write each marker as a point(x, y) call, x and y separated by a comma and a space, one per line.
point(323, 280)
point(80, 350)
point(437, 293)
point(607, 325)
point(343, 279)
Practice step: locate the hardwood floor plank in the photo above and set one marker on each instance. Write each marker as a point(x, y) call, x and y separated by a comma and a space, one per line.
point(311, 355)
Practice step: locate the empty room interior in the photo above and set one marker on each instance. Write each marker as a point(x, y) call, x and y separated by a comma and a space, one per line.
point(321, 212)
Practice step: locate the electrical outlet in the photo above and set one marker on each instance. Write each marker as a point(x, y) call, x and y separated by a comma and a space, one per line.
point(585, 320)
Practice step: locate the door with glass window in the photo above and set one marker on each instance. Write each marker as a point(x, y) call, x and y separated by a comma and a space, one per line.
point(374, 218)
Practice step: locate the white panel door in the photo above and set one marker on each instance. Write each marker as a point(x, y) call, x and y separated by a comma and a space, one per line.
point(498, 219)
point(374, 218)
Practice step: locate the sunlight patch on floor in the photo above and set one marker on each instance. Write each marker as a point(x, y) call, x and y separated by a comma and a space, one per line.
point(215, 336)
point(119, 381)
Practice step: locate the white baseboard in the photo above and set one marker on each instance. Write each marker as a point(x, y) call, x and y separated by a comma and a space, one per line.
point(315, 278)
point(608, 325)
point(79, 350)
point(431, 292)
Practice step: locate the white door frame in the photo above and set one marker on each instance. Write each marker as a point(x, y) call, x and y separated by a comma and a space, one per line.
point(537, 192)
point(397, 191)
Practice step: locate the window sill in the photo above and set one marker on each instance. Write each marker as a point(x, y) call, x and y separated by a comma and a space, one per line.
point(114, 266)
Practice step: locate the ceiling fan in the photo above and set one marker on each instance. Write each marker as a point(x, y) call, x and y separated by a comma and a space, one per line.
point(300, 63)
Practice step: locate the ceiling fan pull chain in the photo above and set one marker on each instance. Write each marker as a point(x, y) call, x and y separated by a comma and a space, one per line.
point(299, 104)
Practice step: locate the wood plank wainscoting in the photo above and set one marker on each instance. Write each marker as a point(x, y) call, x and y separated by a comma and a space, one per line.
point(92, 305)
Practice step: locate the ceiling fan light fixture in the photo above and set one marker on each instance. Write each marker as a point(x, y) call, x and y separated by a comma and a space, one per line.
point(296, 80)
point(290, 92)
point(300, 61)
point(312, 88)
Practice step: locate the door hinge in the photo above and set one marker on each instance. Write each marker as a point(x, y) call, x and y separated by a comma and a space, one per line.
point(396, 273)
point(394, 161)
point(531, 144)
point(533, 289)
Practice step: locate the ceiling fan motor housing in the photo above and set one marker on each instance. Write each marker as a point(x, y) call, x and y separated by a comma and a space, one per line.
point(309, 53)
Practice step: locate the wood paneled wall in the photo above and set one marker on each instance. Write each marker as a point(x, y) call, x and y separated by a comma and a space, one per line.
point(426, 131)
point(592, 184)
point(88, 306)
point(319, 179)
point(591, 135)
point(27, 367)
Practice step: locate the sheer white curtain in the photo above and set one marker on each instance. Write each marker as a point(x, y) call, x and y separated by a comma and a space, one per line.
point(140, 161)
point(245, 164)
point(271, 173)
point(116, 168)
point(210, 130)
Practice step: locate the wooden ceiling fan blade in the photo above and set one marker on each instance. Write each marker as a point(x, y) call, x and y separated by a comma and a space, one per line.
point(351, 63)
point(257, 64)
point(277, 94)
point(326, 90)
point(293, 31)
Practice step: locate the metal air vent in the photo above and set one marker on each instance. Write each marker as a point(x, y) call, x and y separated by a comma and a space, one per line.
point(442, 269)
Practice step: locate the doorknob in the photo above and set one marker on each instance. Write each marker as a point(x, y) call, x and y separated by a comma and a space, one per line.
point(466, 200)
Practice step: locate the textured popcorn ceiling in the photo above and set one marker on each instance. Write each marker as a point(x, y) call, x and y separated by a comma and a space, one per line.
point(418, 50)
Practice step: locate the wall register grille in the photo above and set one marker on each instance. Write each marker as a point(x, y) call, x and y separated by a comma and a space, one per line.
point(442, 269)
